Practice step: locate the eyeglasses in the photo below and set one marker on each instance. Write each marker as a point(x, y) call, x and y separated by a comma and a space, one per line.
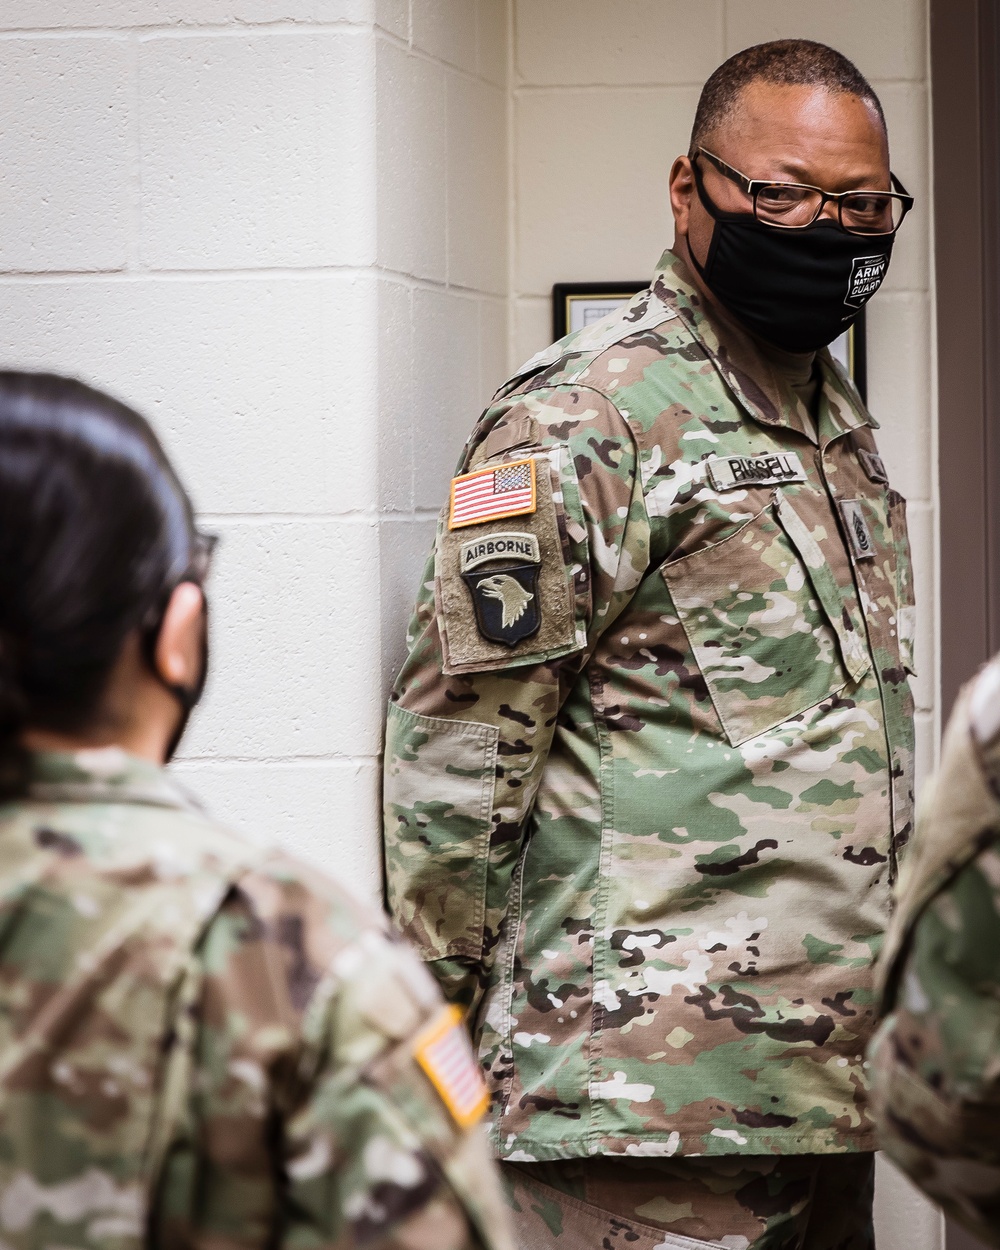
point(202, 550)
point(795, 205)
point(199, 565)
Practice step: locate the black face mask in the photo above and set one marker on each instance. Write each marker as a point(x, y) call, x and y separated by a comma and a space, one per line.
point(796, 289)
point(187, 696)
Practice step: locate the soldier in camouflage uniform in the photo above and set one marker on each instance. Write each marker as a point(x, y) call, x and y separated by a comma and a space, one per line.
point(936, 1060)
point(202, 1043)
point(648, 763)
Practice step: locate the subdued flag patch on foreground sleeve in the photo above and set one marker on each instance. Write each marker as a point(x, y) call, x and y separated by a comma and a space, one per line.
point(445, 1054)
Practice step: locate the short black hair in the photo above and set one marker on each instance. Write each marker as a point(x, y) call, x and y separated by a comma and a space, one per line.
point(786, 63)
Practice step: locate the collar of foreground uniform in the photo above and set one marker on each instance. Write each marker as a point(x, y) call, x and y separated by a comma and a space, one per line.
point(105, 775)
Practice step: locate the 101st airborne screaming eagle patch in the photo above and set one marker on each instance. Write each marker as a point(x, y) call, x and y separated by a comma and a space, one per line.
point(505, 598)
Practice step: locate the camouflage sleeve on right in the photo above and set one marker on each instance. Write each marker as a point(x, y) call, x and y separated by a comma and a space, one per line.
point(935, 1064)
point(332, 1095)
point(471, 721)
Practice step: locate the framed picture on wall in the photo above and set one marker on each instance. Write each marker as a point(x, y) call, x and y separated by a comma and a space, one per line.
point(579, 304)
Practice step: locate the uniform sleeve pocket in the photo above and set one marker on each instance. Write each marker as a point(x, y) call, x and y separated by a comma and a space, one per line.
point(766, 622)
point(438, 793)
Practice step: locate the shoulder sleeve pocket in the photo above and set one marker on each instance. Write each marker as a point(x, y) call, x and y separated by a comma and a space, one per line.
point(513, 590)
point(439, 782)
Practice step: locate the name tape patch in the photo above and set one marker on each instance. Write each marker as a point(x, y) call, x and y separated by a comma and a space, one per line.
point(492, 494)
point(730, 472)
point(858, 533)
point(510, 545)
point(445, 1054)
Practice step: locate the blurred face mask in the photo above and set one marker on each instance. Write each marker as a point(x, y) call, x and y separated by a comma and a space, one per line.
point(202, 548)
point(796, 289)
point(188, 696)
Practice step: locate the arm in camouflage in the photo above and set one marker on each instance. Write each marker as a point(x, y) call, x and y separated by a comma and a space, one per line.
point(452, 844)
point(311, 1020)
point(936, 1061)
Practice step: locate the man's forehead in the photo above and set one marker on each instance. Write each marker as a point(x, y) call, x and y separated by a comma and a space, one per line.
point(763, 106)
point(797, 125)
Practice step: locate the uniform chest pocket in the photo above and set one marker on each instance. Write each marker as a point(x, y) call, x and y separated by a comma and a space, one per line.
point(770, 628)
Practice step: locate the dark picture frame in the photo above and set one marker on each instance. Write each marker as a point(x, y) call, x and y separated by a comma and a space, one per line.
point(576, 304)
point(570, 301)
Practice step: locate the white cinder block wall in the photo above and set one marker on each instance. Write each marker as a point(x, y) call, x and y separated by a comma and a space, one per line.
point(604, 97)
point(280, 231)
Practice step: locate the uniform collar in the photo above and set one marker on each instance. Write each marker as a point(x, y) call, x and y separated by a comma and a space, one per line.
point(756, 382)
point(106, 775)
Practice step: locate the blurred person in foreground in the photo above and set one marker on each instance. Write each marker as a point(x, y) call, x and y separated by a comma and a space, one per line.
point(202, 1043)
point(648, 763)
point(936, 1060)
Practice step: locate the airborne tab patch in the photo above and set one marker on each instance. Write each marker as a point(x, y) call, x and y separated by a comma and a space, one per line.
point(858, 533)
point(733, 472)
point(492, 494)
point(509, 545)
point(445, 1054)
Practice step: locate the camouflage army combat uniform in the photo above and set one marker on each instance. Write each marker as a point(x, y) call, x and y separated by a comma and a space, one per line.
point(936, 1061)
point(202, 1044)
point(648, 761)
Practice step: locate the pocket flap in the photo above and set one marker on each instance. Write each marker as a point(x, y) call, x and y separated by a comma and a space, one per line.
point(440, 776)
point(852, 645)
point(767, 623)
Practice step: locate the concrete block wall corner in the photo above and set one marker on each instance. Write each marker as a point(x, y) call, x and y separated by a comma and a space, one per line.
point(308, 241)
point(282, 235)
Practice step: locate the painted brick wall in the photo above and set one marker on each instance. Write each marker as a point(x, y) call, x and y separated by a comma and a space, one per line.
point(274, 228)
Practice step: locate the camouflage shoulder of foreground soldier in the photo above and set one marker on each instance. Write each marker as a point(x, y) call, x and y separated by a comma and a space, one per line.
point(383, 1143)
point(185, 1017)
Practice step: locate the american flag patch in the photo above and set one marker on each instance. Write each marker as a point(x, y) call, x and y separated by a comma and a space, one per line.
point(444, 1053)
point(489, 494)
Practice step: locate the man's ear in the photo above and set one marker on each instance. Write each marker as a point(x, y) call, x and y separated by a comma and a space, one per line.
point(681, 191)
point(179, 648)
